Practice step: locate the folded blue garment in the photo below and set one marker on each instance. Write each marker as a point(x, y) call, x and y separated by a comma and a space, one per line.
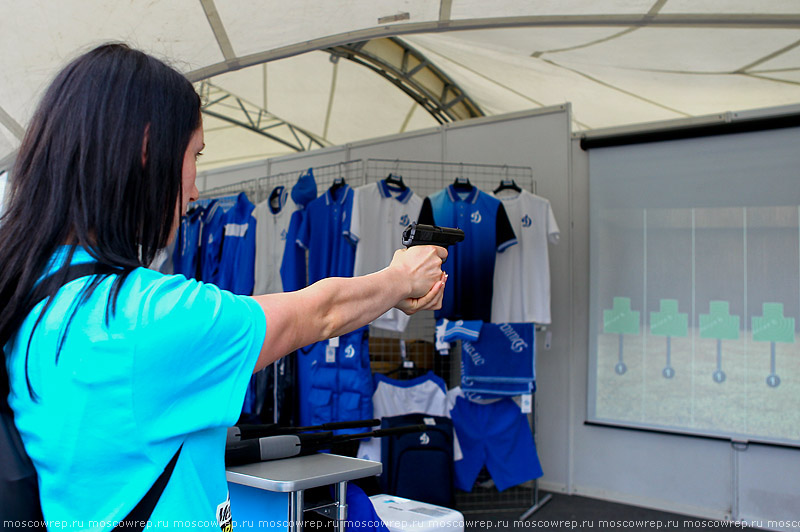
point(504, 353)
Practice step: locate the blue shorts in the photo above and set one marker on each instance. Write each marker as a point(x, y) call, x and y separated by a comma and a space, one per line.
point(496, 435)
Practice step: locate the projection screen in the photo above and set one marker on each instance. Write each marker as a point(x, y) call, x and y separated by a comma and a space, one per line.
point(695, 286)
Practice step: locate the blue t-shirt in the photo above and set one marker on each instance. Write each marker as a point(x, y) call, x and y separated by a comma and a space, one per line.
point(323, 232)
point(170, 368)
point(293, 264)
point(211, 241)
point(470, 263)
point(238, 253)
point(186, 255)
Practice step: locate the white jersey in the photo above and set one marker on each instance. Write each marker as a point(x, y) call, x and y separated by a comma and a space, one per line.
point(424, 395)
point(380, 214)
point(272, 223)
point(522, 273)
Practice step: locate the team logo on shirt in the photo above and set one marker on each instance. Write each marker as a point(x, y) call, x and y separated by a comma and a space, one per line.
point(475, 217)
point(526, 221)
point(405, 220)
point(283, 234)
point(349, 352)
point(224, 517)
point(424, 439)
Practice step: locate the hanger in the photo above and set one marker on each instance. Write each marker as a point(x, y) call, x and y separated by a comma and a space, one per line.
point(338, 183)
point(507, 184)
point(396, 180)
point(462, 183)
point(407, 370)
point(275, 198)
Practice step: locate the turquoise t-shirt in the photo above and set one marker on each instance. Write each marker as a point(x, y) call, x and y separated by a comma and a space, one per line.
point(170, 368)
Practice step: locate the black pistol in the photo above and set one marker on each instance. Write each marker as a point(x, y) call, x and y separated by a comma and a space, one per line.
point(431, 235)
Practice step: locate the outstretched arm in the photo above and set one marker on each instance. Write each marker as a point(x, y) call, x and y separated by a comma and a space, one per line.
point(334, 306)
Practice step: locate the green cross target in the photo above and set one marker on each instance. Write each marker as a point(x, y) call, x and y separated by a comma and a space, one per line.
point(621, 319)
point(773, 326)
point(668, 321)
point(719, 323)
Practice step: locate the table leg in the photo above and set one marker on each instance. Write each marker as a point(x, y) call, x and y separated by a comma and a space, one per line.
point(296, 511)
point(341, 506)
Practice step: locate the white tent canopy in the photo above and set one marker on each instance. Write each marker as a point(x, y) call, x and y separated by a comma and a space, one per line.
point(617, 62)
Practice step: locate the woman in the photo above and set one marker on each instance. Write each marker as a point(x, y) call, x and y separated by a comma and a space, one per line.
point(114, 375)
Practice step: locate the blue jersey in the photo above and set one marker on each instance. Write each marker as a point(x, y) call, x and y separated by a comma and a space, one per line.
point(211, 242)
point(238, 251)
point(323, 233)
point(169, 368)
point(293, 264)
point(185, 258)
point(470, 264)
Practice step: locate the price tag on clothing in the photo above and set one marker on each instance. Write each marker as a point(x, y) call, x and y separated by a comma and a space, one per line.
point(330, 354)
point(403, 349)
point(334, 342)
point(429, 421)
point(526, 403)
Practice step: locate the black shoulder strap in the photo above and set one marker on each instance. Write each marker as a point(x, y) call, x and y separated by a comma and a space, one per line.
point(137, 519)
point(74, 271)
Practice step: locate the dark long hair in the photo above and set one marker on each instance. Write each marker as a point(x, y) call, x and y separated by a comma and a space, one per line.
point(80, 175)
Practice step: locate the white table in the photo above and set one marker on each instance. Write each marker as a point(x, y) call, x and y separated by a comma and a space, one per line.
point(293, 476)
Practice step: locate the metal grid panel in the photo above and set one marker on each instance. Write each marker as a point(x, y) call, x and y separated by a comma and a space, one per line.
point(386, 353)
point(258, 190)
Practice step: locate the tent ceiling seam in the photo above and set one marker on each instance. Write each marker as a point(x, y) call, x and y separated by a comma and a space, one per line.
point(408, 117)
point(767, 78)
point(214, 20)
point(509, 89)
point(586, 44)
point(330, 98)
point(766, 58)
point(670, 20)
point(264, 81)
point(491, 80)
point(618, 89)
point(647, 17)
point(774, 70)
point(11, 124)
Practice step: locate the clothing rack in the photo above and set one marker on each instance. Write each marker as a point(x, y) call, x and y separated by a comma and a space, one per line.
point(258, 189)
point(426, 178)
point(417, 350)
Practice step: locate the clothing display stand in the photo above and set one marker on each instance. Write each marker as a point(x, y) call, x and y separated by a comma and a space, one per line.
point(426, 178)
point(387, 352)
point(537, 502)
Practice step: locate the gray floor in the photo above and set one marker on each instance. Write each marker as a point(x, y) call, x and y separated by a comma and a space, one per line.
point(571, 512)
